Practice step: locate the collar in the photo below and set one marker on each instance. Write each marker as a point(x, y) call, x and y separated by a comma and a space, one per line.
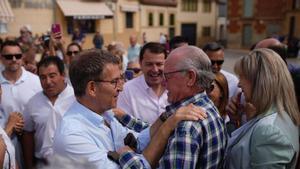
point(192, 99)
point(143, 82)
point(91, 116)
point(24, 75)
point(240, 132)
point(135, 46)
point(67, 91)
point(144, 85)
point(269, 112)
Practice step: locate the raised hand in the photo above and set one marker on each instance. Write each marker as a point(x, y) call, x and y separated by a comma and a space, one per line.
point(15, 123)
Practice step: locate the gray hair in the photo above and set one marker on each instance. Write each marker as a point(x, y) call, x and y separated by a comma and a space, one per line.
point(198, 61)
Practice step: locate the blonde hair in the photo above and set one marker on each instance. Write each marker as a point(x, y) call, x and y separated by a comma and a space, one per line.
point(271, 82)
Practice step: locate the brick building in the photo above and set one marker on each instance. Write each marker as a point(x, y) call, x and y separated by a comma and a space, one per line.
point(251, 20)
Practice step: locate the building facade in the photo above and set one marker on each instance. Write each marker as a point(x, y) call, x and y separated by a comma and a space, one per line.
point(36, 14)
point(118, 19)
point(252, 20)
point(197, 20)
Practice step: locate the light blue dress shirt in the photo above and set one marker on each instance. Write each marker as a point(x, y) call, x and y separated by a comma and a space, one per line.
point(133, 52)
point(83, 136)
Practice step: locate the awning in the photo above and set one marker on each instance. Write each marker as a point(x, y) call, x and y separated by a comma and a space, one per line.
point(130, 8)
point(84, 9)
point(6, 14)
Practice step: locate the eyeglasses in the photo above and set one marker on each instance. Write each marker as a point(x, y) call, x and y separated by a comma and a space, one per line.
point(135, 70)
point(11, 56)
point(116, 82)
point(72, 52)
point(218, 62)
point(168, 73)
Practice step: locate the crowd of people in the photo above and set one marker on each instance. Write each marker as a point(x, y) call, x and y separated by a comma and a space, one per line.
point(163, 104)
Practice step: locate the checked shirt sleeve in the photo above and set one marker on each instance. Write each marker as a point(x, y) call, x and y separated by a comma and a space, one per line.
point(182, 150)
point(131, 160)
point(133, 123)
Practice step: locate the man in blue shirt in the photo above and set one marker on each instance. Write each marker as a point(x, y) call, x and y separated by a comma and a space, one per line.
point(89, 130)
point(134, 49)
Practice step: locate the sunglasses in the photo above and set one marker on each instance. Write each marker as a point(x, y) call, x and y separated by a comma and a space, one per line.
point(11, 56)
point(72, 52)
point(135, 70)
point(218, 62)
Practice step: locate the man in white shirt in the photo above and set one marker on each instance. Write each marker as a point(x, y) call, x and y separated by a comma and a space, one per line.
point(18, 86)
point(145, 97)
point(215, 53)
point(162, 38)
point(47, 106)
point(7, 149)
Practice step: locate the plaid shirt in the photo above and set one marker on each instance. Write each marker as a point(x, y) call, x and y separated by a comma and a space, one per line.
point(193, 144)
point(133, 123)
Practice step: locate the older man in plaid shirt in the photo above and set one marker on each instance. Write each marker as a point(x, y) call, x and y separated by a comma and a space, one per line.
point(194, 144)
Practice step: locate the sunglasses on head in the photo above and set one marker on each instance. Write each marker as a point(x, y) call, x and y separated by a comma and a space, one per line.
point(11, 56)
point(218, 62)
point(72, 52)
point(135, 70)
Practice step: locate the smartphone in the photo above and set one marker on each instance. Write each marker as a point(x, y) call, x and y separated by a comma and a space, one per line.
point(55, 28)
point(129, 74)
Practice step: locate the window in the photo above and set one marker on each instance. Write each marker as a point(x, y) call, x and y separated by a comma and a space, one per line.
point(129, 19)
point(86, 26)
point(161, 19)
point(206, 6)
point(189, 5)
point(15, 3)
point(3, 27)
point(248, 8)
point(172, 19)
point(38, 4)
point(296, 4)
point(222, 10)
point(206, 31)
point(171, 32)
point(150, 19)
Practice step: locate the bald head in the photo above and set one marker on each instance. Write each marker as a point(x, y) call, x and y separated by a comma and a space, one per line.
point(275, 45)
point(187, 52)
point(191, 57)
point(267, 43)
point(132, 40)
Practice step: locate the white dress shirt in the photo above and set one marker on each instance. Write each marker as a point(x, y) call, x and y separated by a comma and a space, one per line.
point(140, 101)
point(41, 117)
point(9, 158)
point(14, 98)
point(232, 81)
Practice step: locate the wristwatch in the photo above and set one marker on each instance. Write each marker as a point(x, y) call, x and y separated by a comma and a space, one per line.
point(163, 117)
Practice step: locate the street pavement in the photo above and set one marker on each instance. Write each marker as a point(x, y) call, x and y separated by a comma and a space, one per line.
point(231, 55)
